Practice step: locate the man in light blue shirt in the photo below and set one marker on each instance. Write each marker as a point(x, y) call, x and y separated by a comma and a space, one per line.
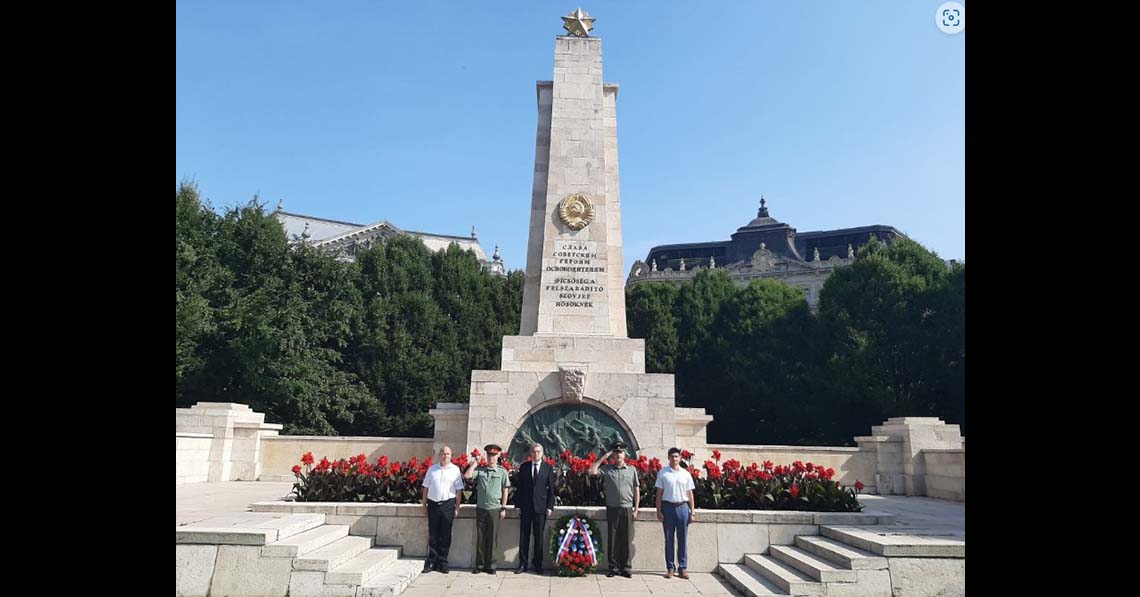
point(675, 508)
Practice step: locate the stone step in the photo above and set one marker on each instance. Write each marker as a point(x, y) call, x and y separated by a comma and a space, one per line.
point(334, 554)
point(249, 528)
point(842, 554)
point(392, 580)
point(295, 524)
point(302, 543)
point(748, 581)
point(901, 541)
point(784, 576)
point(363, 567)
point(812, 565)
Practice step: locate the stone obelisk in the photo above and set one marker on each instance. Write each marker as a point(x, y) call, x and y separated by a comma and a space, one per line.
point(572, 378)
point(574, 281)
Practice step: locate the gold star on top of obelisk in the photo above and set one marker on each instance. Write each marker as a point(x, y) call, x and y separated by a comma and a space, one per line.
point(578, 23)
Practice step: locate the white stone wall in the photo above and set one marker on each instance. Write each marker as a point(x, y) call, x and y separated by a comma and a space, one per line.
point(192, 457)
point(280, 453)
point(451, 426)
point(235, 446)
point(946, 474)
point(545, 353)
point(616, 382)
point(898, 446)
point(691, 425)
point(716, 537)
point(850, 464)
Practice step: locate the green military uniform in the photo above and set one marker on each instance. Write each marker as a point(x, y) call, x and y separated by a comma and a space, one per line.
point(489, 484)
point(621, 487)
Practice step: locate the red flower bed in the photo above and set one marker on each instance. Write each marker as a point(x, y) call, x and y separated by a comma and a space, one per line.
point(728, 485)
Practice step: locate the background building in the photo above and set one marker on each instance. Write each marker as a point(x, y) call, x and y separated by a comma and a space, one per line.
point(346, 238)
point(763, 248)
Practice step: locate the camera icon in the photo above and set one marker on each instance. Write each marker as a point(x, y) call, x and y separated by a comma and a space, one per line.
point(951, 18)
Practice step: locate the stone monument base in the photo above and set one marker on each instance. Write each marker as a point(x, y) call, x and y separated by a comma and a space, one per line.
point(605, 373)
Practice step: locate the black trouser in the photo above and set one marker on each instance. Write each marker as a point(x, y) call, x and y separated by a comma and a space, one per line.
point(486, 523)
point(618, 523)
point(531, 523)
point(440, 517)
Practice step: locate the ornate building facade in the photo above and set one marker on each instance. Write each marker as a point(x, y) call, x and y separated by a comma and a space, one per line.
point(763, 248)
point(346, 238)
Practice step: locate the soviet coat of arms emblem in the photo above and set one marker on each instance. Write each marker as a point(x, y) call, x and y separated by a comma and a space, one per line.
point(576, 211)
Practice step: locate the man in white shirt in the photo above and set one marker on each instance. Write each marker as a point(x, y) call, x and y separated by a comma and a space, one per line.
point(441, 495)
point(675, 507)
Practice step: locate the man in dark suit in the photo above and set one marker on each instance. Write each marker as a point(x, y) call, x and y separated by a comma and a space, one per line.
point(534, 497)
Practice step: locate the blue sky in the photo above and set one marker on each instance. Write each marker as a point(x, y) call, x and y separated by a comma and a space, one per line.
point(423, 113)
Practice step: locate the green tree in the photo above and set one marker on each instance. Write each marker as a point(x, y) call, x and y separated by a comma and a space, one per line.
point(650, 314)
point(895, 319)
point(773, 339)
point(699, 381)
point(198, 277)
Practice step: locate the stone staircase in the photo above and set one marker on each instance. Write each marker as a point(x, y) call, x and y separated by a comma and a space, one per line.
point(814, 565)
point(294, 555)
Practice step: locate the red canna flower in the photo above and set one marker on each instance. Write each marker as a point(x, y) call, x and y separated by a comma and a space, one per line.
point(412, 478)
point(475, 452)
point(716, 455)
point(307, 458)
point(794, 490)
point(859, 486)
point(768, 465)
point(296, 469)
point(383, 461)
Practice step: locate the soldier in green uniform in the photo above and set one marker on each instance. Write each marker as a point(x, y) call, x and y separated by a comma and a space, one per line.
point(491, 483)
point(623, 497)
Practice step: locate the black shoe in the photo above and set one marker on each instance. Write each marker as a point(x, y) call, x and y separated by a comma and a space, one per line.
point(537, 571)
point(627, 573)
point(475, 571)
point(489, 570)
point(427, 567)
point(442, 570)
point(520, 570)
point(610, 574)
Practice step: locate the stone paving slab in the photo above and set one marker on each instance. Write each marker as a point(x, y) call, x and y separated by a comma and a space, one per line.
point(507, 584)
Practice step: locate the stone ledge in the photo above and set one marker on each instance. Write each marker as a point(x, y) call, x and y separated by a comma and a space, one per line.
point(901, 541)
point(646, 514)
point(247, 528)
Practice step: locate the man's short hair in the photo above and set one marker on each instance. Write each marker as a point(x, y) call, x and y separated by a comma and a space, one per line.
point(673, 451)
point(533, 446)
